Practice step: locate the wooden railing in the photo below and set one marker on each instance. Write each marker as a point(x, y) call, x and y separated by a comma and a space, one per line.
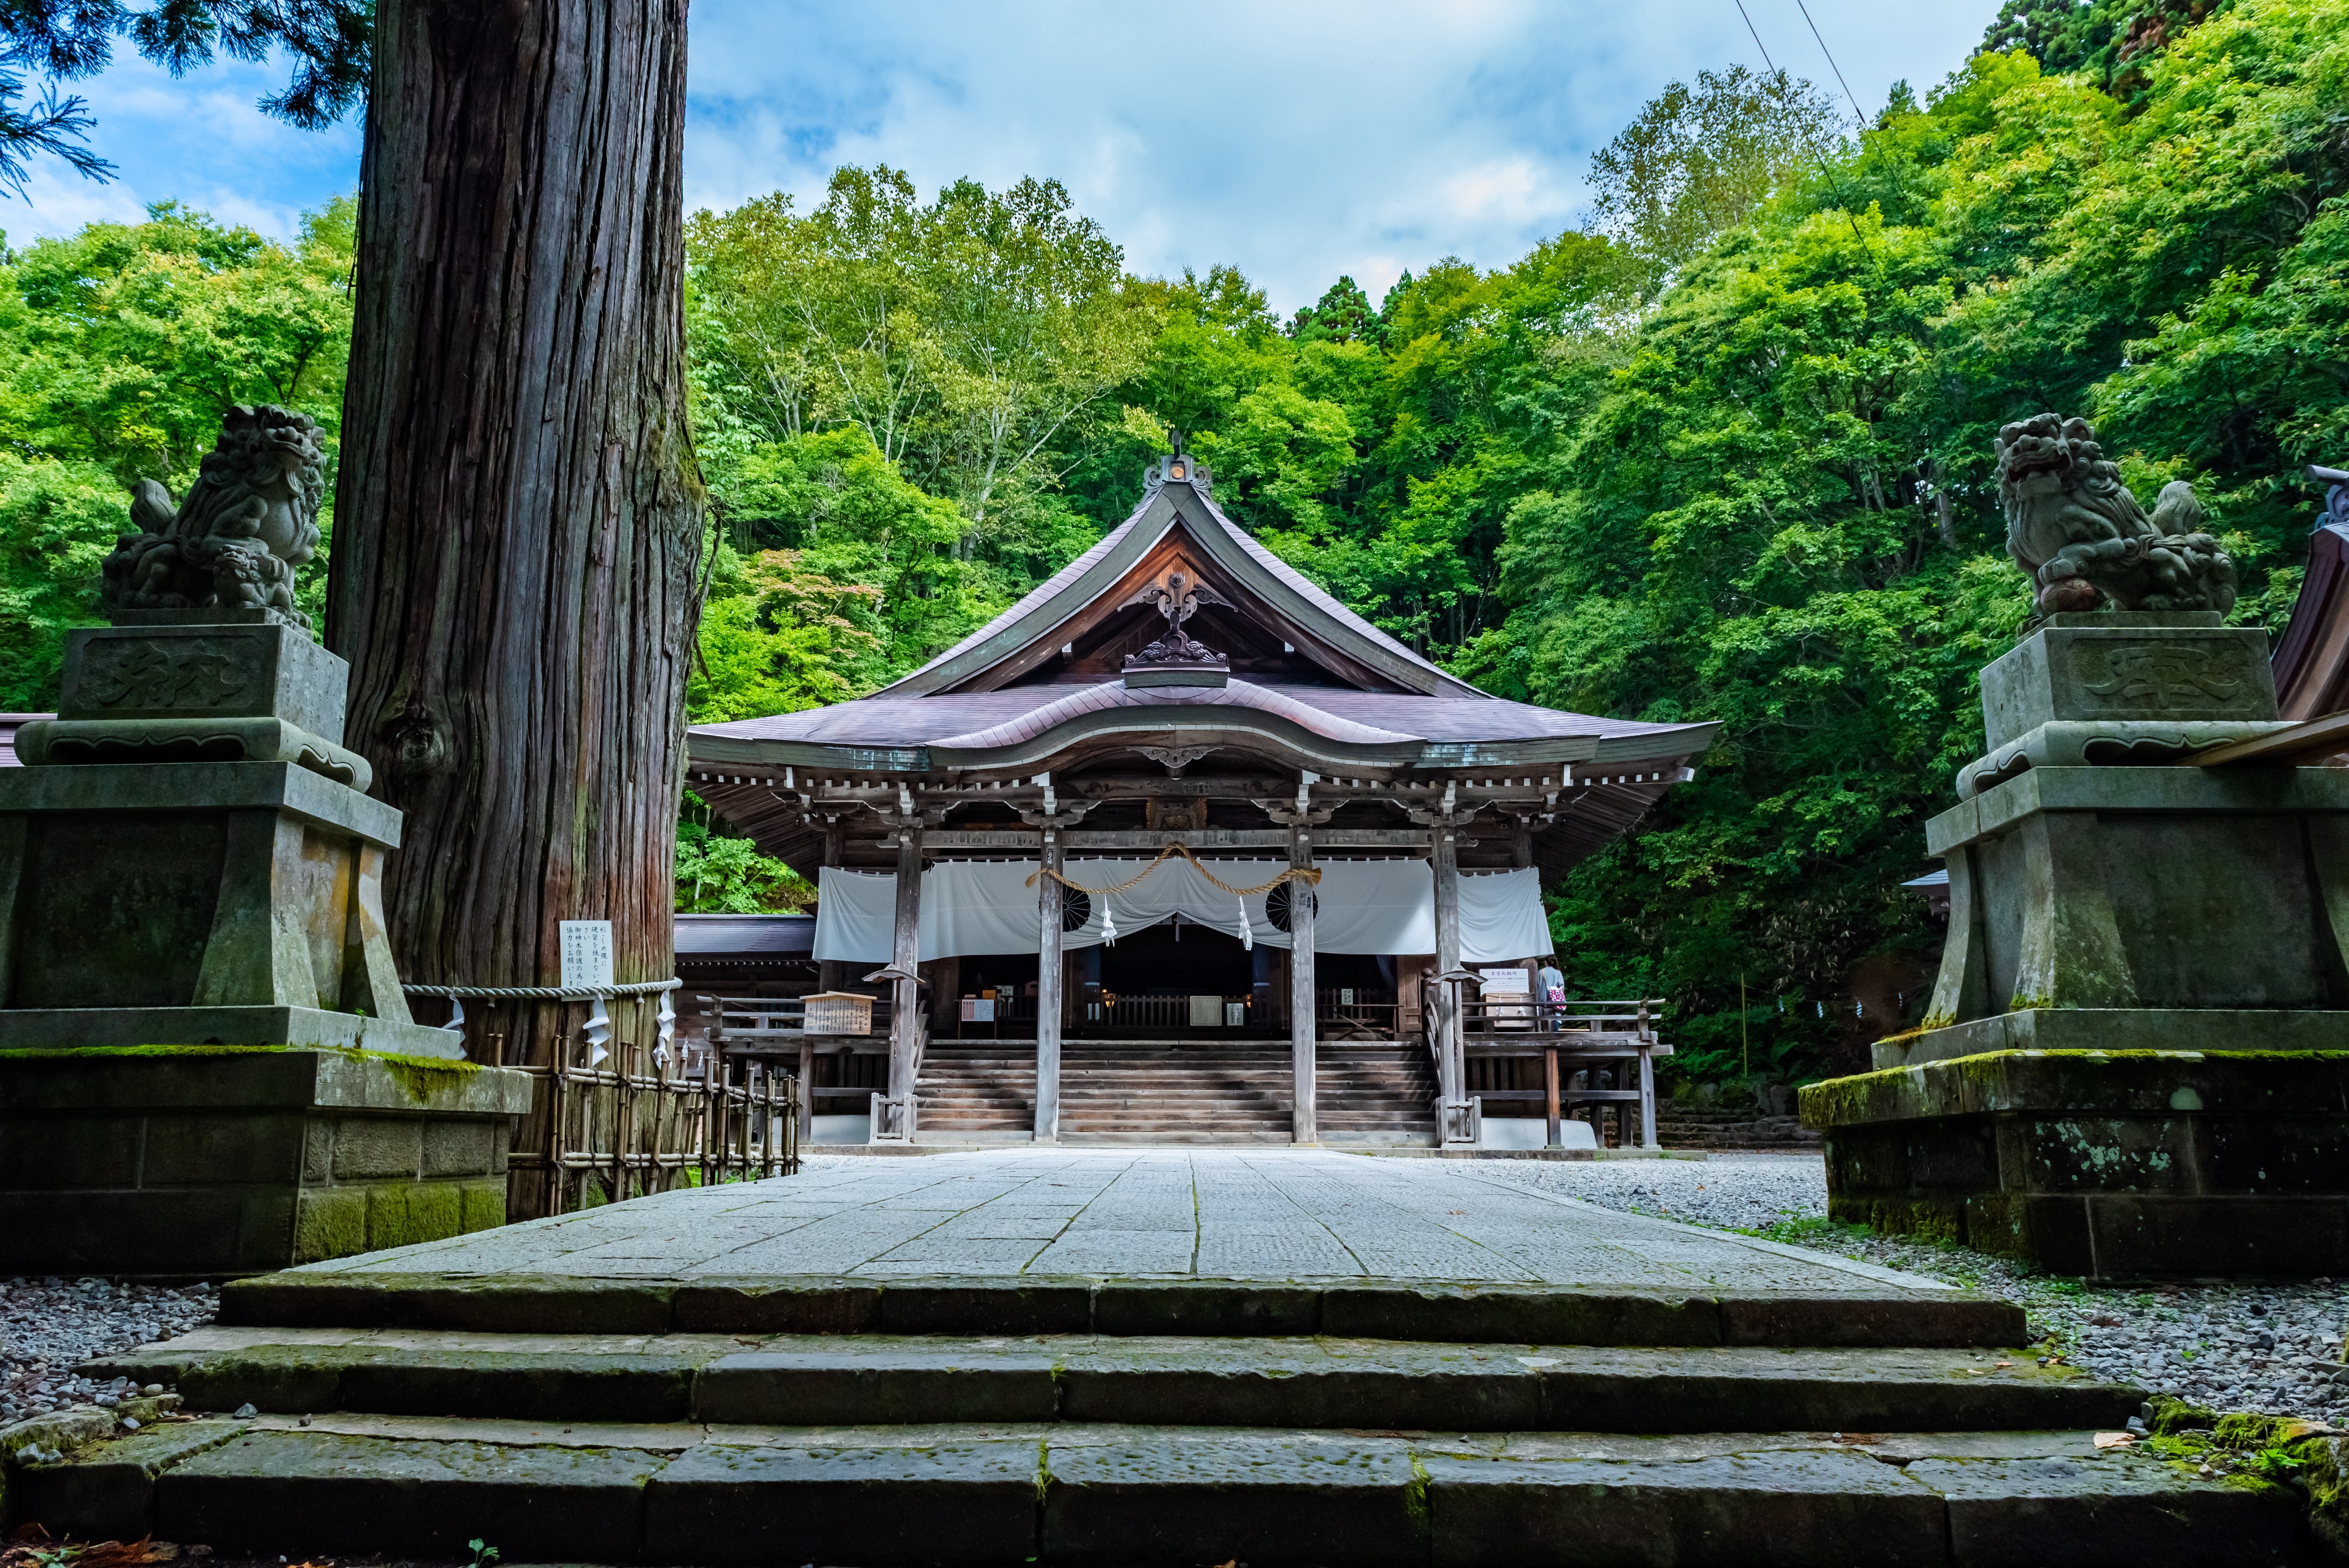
point(740, 1024)
point(1152, 1012)
point(1613, 1040)
point(631, 1127)
point(1365, 1015)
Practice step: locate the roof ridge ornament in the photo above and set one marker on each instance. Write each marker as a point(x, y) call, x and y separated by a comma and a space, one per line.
point(1177, 658)
point(1183, 468)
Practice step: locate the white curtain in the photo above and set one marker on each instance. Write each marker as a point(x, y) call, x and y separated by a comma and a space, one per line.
point(977, 906)
point(1364, 906)
point(1501, 916)
point(856, 916)
point(1375, 906)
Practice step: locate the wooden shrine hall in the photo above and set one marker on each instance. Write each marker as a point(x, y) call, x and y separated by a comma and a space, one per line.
point(1178, 848)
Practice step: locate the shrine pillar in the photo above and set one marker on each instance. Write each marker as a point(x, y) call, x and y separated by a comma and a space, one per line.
point(1453, 1117)
point(905, 1003)
point(1305, 1123)
point(1049, 970)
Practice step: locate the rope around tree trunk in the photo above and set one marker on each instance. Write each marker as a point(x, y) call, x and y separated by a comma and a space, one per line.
point(543, 993)
point(1293, 873)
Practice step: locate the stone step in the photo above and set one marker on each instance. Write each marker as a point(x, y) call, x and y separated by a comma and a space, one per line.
point(1297, 1383)
point(382, 1486)
point(1845, 1317)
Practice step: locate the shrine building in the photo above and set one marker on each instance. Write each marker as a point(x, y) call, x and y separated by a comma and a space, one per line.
point(1179, 848)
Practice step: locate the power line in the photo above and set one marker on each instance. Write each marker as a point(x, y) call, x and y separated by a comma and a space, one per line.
point(1860, 113)
point(1757, 39)
point(1825, 166)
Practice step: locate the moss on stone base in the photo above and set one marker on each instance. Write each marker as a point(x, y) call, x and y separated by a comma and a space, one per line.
point(1932, 1219)
point(330, 1223)
point(421, 1077)
point(402, 1214)
point(483, 1205)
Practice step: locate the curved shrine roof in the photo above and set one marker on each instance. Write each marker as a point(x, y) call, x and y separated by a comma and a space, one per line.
point(1298, 681)
point(998, 718)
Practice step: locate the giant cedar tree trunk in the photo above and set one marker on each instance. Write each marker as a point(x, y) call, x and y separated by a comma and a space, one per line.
point(517, 520)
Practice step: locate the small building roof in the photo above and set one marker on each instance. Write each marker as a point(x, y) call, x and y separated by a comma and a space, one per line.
point(2312, 659)
point(744, 937)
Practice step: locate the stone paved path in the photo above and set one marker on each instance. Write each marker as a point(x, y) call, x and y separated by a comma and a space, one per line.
point(1150, 1213)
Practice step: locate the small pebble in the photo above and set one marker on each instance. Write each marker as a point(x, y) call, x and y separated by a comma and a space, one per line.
point(48, 1326)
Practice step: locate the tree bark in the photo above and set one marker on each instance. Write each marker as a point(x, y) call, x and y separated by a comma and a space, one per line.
point(518, 515)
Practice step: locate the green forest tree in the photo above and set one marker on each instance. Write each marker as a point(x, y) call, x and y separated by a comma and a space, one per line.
point(1723, 452)
point(121, 347)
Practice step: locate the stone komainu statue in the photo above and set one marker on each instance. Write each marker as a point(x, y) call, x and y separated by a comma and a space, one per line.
point(2073, 524)
point(249, 520)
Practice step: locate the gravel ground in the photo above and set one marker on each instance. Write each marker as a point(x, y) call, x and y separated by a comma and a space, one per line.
point(2273, 1348)
point(49, 1325)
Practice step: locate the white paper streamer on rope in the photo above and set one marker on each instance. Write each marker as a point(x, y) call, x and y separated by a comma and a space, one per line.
point(666, 1020)
point(599, 1034)
point(456, 1023)
point(1247, 932)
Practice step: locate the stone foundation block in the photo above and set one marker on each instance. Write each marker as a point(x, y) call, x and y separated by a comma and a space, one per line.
point(2110, 1165)
point(223, 1160)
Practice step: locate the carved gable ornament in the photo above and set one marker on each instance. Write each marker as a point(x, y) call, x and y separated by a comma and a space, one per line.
point(1177, 658)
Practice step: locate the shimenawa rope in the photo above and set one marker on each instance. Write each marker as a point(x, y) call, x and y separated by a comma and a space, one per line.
point(1294, 873)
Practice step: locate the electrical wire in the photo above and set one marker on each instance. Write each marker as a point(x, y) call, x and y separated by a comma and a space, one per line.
point(1858, 113)
point(1825, 166)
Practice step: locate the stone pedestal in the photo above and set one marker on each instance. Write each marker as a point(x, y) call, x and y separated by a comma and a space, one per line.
point(210, 1161)
point(2109, 1164)
point(189, 856)
point(2093, 868)
point(2111, 902)
point(207, 1065)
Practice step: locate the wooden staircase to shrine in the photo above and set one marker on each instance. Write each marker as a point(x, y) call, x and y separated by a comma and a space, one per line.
point(1369, 1092)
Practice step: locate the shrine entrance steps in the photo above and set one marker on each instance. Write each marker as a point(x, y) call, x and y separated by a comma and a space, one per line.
point(1369, 1093)
point(1733, 1132)
point(1058, 1420)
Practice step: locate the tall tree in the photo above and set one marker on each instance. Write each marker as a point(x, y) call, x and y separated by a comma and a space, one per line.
point(518, 515)
point(1700, 160)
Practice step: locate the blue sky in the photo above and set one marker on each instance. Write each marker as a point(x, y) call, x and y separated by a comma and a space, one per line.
point(1297, 139)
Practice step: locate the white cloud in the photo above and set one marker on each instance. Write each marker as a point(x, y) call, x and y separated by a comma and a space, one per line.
point(1297, 139)
point(63, 201)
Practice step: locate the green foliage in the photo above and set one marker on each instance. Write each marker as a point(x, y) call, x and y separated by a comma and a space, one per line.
point(127, 343)
point(57, 523)
point(974, 339)
point(1700, 160)
point(121, 347)
point(720, 871)
point(2112, 42)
